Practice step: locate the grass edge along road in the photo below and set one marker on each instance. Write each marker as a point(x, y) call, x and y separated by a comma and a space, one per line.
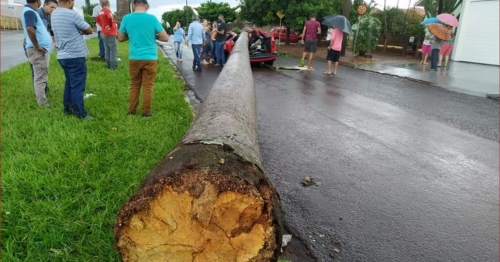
point(64, 179)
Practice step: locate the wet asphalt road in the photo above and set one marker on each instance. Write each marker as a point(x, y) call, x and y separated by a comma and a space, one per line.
point(408, 171)
point(12, 48)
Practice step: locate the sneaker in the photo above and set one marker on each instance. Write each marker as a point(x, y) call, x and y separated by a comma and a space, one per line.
point(87, 117)
point(131, 113)
point(147, 115)
point(302, 62)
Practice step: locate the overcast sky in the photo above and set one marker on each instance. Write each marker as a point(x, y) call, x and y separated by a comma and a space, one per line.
point(158, 7)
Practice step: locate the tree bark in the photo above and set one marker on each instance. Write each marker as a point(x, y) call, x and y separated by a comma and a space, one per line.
point(347, 13)
point(287, 36)
point(209, 199)
point(385, 25)
point(122, 8)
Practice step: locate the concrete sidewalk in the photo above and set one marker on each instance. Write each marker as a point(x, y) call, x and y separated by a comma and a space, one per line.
point(469, 78)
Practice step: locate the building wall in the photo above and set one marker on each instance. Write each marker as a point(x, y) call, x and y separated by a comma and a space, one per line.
point(477, 38)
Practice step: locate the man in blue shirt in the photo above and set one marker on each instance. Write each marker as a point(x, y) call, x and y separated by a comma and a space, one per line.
point(196, 35)
point(44, 12)
point(142, 30)
point(38, 45)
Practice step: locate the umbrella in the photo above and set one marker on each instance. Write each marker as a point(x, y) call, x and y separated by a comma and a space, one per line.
point(440, 31)
point(448, 19)
point(430, 20)
point(338, 21)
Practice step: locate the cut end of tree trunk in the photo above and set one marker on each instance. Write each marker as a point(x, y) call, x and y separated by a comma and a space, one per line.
point(200, 214)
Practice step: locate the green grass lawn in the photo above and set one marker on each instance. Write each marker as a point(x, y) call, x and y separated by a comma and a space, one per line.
point(64, 179)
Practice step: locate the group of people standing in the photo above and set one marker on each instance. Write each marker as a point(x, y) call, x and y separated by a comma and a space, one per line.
point(335, 36)
point(62, 31)
point(437, 48)
point(207, 42)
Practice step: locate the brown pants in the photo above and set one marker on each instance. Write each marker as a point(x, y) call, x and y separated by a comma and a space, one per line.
point(142, 73)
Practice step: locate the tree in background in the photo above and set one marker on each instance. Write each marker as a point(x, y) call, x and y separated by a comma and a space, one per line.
point(435, 7)
point(367, 31)
point(88, 9)
point(263, 12)
point(177, 15)
point(211, 11)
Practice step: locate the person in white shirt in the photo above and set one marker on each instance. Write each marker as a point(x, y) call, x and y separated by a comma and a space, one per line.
point(95, 13)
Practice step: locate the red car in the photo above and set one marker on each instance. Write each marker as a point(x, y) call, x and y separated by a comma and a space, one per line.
point(262, 48)
point(280, 33)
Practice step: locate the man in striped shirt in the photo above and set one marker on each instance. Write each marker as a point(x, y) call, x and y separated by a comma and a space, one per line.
point(68, 27)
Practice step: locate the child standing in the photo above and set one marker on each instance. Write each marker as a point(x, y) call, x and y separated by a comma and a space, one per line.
point(426, 47)
point(436, 46)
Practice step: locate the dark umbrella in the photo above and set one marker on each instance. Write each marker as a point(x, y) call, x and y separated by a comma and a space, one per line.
point(338, 21)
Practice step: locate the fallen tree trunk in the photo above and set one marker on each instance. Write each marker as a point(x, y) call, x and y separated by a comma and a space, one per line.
point(209, 199)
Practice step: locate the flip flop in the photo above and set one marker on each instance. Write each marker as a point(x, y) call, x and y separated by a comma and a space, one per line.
point(326, 73)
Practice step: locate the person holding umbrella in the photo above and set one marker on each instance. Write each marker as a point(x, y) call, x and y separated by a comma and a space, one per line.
point(440, 33)
point(334, 48)
point(340, 25)
point(446, 49)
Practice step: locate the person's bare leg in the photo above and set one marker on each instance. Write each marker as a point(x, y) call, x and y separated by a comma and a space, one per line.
point(309, 63)
point(440, 60)
point(335, 68)
point(328, 67)
point(425, 59)
point(446, 59)
point(302, 61)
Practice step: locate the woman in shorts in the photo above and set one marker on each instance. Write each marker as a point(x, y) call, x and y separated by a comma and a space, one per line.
point(446, 49)
point(426, 47)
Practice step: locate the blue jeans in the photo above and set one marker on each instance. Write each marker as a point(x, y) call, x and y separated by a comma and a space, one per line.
point(33, 73)
point(219, 51)
point(178, 49)
point(214, 54)
point(196, 55)
point(101, 45)
point(75, 70)
point(434, 58)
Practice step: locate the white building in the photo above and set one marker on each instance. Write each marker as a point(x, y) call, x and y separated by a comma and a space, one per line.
point(477, 39)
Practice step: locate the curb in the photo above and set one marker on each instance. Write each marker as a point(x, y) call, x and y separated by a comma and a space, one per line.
point(190, 95)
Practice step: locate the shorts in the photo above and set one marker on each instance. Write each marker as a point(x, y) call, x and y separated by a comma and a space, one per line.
point(426, 49)
point(446, 49)
point(333, 55)
point(311, 46)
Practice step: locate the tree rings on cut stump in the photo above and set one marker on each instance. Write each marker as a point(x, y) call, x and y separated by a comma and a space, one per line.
point(199, 216)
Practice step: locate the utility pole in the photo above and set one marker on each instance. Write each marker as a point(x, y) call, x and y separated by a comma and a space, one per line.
point(346, 12)
point(186, 13)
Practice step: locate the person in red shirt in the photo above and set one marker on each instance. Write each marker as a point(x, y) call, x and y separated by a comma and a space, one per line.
point(312, 28)
point(107, 22)
point(336, 38)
